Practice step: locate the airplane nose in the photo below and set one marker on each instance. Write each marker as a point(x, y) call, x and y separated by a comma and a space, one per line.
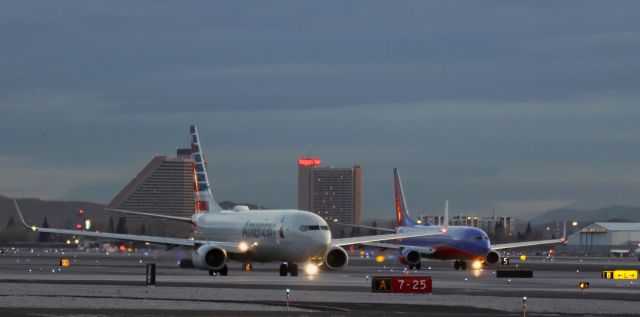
point(321, 239)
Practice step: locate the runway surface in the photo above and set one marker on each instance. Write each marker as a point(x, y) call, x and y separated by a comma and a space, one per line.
point(96, 283)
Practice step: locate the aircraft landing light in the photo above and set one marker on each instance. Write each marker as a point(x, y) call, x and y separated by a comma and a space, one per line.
point(476, 265)
point(311, 269)
point(243, 246)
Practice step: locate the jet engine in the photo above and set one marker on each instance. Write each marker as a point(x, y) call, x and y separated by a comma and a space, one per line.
point(336, 258)
point(492, 257)
point(409, 256)
point(210, 257)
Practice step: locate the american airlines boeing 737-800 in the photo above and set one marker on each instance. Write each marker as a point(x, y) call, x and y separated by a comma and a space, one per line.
point(458, 243)
point(287, 236)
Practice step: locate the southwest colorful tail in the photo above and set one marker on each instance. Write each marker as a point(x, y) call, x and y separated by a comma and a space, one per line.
point(402, 214)
point(203, 198)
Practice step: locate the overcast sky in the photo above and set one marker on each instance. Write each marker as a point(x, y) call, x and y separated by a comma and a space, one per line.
point(515, 105)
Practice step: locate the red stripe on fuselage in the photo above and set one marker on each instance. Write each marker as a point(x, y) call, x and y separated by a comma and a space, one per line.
point(446, 252)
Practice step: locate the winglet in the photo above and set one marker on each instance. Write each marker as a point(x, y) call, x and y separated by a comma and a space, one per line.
point(24, 223)
point(563, 239)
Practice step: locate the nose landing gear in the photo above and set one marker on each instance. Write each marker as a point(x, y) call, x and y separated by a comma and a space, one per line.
point(460, 265)
point(291, 268)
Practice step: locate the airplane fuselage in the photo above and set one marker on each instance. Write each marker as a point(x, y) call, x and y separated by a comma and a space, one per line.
point(272, 235)
point(456, 242)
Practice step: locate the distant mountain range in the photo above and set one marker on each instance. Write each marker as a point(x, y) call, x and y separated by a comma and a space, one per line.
point(65, 214)
point(58, 213)
point(614, 213)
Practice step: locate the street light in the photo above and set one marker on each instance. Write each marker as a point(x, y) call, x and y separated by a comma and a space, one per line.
point(574, 223)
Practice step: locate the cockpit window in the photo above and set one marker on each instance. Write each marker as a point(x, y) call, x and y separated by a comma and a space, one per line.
point(304, 228)
point(480, 238)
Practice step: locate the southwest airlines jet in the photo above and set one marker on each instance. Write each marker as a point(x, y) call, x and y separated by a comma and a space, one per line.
point(287, 236)
point(458, 243)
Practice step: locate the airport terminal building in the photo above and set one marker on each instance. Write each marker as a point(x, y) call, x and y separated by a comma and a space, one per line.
point(606, 237)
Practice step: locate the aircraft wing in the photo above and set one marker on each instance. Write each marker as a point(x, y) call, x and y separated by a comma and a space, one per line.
point(228, 246)
point(366, 227)
point(525, 244)
point(514, 245)
point(383, 237)
point(422, 250)
point(148, 214)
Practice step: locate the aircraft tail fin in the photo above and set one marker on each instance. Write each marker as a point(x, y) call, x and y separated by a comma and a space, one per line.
point(402, 214)
point(204, 201)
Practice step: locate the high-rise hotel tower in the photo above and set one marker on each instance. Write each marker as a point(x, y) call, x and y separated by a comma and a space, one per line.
point(332, 193)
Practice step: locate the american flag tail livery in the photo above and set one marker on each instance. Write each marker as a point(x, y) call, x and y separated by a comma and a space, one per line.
point(204, 201)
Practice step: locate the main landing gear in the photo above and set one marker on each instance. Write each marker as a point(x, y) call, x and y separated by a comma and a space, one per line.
point(288, 268)
point(460, 265)
point(224, 271)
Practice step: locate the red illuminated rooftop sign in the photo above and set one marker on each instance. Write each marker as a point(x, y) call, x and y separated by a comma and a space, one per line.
point(308, 161)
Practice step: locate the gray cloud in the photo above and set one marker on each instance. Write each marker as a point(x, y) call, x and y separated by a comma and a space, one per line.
point(490, 104)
